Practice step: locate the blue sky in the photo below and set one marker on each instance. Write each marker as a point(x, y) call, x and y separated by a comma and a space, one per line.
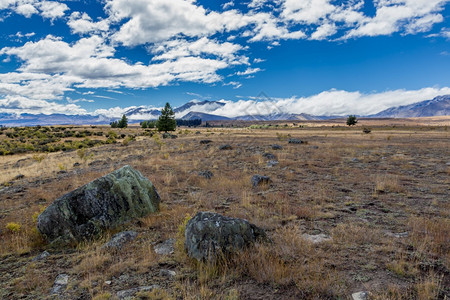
point(311, 56)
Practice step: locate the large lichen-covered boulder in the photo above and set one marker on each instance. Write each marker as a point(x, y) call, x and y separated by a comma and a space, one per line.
point(103, 203)
point(209, 235)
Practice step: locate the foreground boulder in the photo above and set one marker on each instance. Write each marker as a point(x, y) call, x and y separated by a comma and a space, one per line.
point(209, 235)
point(103, 203)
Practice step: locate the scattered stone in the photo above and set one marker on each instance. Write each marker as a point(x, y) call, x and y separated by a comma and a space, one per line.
point(103, 203)
point(225, 147)
point(119, 240)
point(167, 135)
point(207, 174)
point(165, 248)
point(60, 284)
point(125, 294)
point(360, 296)
point(276, 147)
point(268, 155)
point(77, 164)
point(18, 177)
point(108, 282)
point(210, 234)
point(316, 238)
point(295, 141)
point(272, 163)
point(41, 256)
point(167, 273)
point(259, 179)
point(398, 235)
point(355, 160)
point(204, 142)
point(62, 172)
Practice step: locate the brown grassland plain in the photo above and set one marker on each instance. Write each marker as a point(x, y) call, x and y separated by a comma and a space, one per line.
point(382, 198)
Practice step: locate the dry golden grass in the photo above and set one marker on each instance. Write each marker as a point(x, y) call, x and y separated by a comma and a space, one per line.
point(398, 183)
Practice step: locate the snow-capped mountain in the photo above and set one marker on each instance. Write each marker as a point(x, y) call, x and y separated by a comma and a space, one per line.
point(211, 111)
point(438, 106)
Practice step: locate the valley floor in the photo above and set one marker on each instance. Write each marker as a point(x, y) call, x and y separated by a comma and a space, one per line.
point(380, 201)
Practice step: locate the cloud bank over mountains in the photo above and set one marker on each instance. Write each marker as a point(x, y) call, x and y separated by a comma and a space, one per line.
point(188, 42)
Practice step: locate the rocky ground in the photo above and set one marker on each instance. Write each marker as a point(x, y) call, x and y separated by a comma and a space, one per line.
point(345, 211)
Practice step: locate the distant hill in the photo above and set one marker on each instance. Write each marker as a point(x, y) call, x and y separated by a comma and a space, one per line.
point(193, 115)
point(205, 110)
point(281, 117)
point(53, 119)
point(438, 106)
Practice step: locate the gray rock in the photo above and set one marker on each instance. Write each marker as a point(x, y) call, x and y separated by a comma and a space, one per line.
point(165, 248)
point(225, 147)
point(128, 294)
point(41, 256)
point(268, 155)
point(60, 284)
point(119, 240)
point(259, 179)
point(272, 163)
point(276, 147)
point(295, 141)
point(167, 273)
point(207, 174)
point(18, 177)
point(204, 142)
point(398, 235)
point(360, 296)
point(103, 203)
point(209, 235)
point(316, 238)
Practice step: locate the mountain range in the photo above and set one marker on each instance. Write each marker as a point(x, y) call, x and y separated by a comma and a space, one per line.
point(438, 106)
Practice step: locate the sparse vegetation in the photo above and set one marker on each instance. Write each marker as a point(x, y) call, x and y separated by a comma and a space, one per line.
point(381, 205)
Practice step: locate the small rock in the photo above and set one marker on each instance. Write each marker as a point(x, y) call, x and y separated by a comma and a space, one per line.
point(77, 164)
point(167, 135)
point(398, 235)
point(207, 174)
point(316, 238)
point(204, 142)
point(276, 147)
point(62, 172)
point(360, 296)
point(295, 141)
point(131, 292)
point(259, 179)
point(225, 147)
point(355, 160)
point(210, 234)
point(268, 155)
point(165, 248)
point(108, 282)
point(18, 177)
point(41, 256)
point(60, 284)
point(120, 239)
point(272, 163)
point(167, 273)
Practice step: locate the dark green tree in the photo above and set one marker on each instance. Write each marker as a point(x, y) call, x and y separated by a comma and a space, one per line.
point(351, 120)
point(166, 121)
point(123, 123)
